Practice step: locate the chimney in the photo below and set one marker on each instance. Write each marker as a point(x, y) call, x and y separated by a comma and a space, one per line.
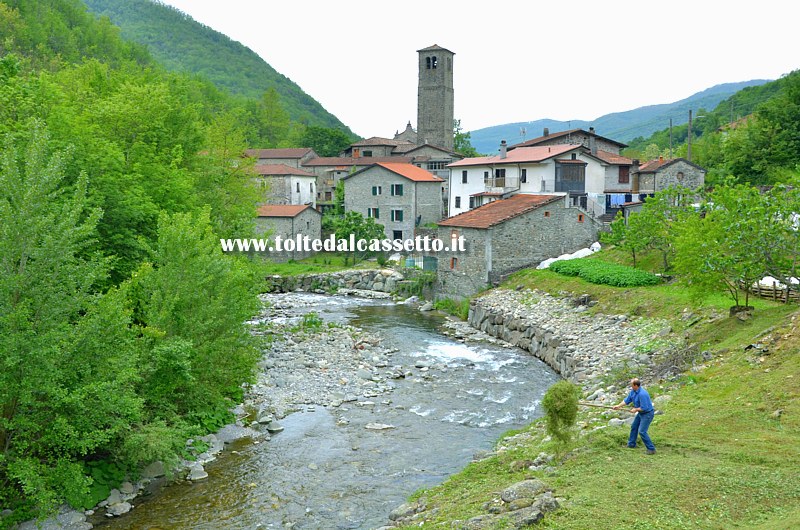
point(503, 149)
point(634, 165)
point(591, 130)
point(546, 132)
point(592, 142)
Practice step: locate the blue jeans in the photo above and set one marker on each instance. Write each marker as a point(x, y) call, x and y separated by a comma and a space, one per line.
point(639, 428)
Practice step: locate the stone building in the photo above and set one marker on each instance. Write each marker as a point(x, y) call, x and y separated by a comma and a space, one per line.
point(329, 170)
point(657, 175)
point(508, 235)
point(282, 184)
point(293, 157)
point(401, 197)
point(588, 139)
point(435, 97)
point(288, 221)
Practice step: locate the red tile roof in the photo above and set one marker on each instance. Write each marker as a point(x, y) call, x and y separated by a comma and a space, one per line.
point(497, 212)
point(411, 172)
point(282, 210)
point(298, 152)
point(612, 158)
point(350, 161)
point(280, 169)
point(487, 194)
point(651, 166)
point(542, 139)
point(517, 156)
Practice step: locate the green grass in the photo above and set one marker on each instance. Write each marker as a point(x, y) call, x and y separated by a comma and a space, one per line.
point(323, 262)
point(723, 460)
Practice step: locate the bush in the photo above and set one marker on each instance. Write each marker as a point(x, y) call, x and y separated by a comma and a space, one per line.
point(604, 273)
point(561, 410)
point(453, 307)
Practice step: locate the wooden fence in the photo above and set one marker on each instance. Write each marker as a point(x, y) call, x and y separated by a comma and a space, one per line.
point(778, 294)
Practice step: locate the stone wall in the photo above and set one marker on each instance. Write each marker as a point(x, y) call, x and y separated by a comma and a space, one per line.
point(580, 346)
point(692, 177)
point(382, 280)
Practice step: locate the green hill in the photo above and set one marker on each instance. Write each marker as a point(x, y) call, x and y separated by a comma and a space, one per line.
point(182, 44)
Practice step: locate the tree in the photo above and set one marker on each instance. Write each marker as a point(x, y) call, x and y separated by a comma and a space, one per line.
point(627, 235)
point(660, 213)
point(362, 228)
point(67, 356)
point(325, 141)
point(725, 248)
point(461, 141)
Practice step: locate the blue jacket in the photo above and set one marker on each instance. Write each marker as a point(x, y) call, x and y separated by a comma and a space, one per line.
point(640, 399)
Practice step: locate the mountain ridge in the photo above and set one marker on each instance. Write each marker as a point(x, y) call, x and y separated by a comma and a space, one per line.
point(622, 126)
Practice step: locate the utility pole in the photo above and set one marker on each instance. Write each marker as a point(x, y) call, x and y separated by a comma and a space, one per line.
point(689, 139)
point(670, 138)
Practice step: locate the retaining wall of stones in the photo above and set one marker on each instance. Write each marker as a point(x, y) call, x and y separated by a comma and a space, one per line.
point(383, 280)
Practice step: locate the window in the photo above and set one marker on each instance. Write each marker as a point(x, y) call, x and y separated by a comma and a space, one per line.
point(434, 62)
point(574, 156)
point(397, 216)
point(547, 214)
point(485, 177)
point(397, 234)
point(375, 213)
point(580, 217)
point(500, 177)
point(328, 196)
point(311, 187)
point(680, 176)
point(473, 202)
point(454, 264)
point(436, 165)
point(454, 234)
point(464, 177)
point(367, 153)
point(624, 174)
point(397, 190)
point(298, 187)
point(523, 177)
point(356, 152)
point(376, 190)
point(428, 63)
point(458, 201)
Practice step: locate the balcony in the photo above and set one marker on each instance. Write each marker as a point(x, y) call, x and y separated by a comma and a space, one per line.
point(501, 184)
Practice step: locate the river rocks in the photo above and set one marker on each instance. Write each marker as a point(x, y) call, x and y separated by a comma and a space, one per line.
point(378, 426)
point(196, 472)
point(66, 519)
point(154, 470)
point(117, 509)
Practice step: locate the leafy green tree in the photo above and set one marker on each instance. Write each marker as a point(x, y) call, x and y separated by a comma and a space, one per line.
point(627, 235)
point(461, 141)
point(192, 302)
point(361, 227)
point(325, 141)
point(58, 404)
point(725, 248)
point(659, 215)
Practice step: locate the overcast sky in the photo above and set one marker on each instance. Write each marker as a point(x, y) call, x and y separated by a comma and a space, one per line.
point(515, 60)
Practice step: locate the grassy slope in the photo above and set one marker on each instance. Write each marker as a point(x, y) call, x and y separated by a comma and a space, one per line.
point(723, 459)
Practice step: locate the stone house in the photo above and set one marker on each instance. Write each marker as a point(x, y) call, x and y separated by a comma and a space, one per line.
point(399, 196)
point(282, 184)
point(588, 139)
point(377, 146)
point(288, 221)
point(329, 170)
point(293, 157)
point(657, 175)
point(507, 235)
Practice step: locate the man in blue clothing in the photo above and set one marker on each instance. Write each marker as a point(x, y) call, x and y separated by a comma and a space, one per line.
point(643, 406)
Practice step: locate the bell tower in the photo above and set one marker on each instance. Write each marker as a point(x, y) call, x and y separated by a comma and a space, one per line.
point(435, 97)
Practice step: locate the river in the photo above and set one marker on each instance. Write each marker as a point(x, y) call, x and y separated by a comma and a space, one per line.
point(326, 470)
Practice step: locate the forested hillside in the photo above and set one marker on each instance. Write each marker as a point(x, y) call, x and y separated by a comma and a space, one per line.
point(753, 136)
point(120, 318)
point(183, 45)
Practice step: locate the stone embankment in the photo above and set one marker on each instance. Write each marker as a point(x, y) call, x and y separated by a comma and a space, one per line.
point(381, 280)
point(580, 346)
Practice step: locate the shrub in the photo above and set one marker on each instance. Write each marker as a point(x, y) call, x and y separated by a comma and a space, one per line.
point(604, 273)
point(453, 307)
point(561, 410)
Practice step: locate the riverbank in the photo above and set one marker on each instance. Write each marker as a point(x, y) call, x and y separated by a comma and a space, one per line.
point(724, 442)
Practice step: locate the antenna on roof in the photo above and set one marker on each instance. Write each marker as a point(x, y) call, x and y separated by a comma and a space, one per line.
point(522, 132)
